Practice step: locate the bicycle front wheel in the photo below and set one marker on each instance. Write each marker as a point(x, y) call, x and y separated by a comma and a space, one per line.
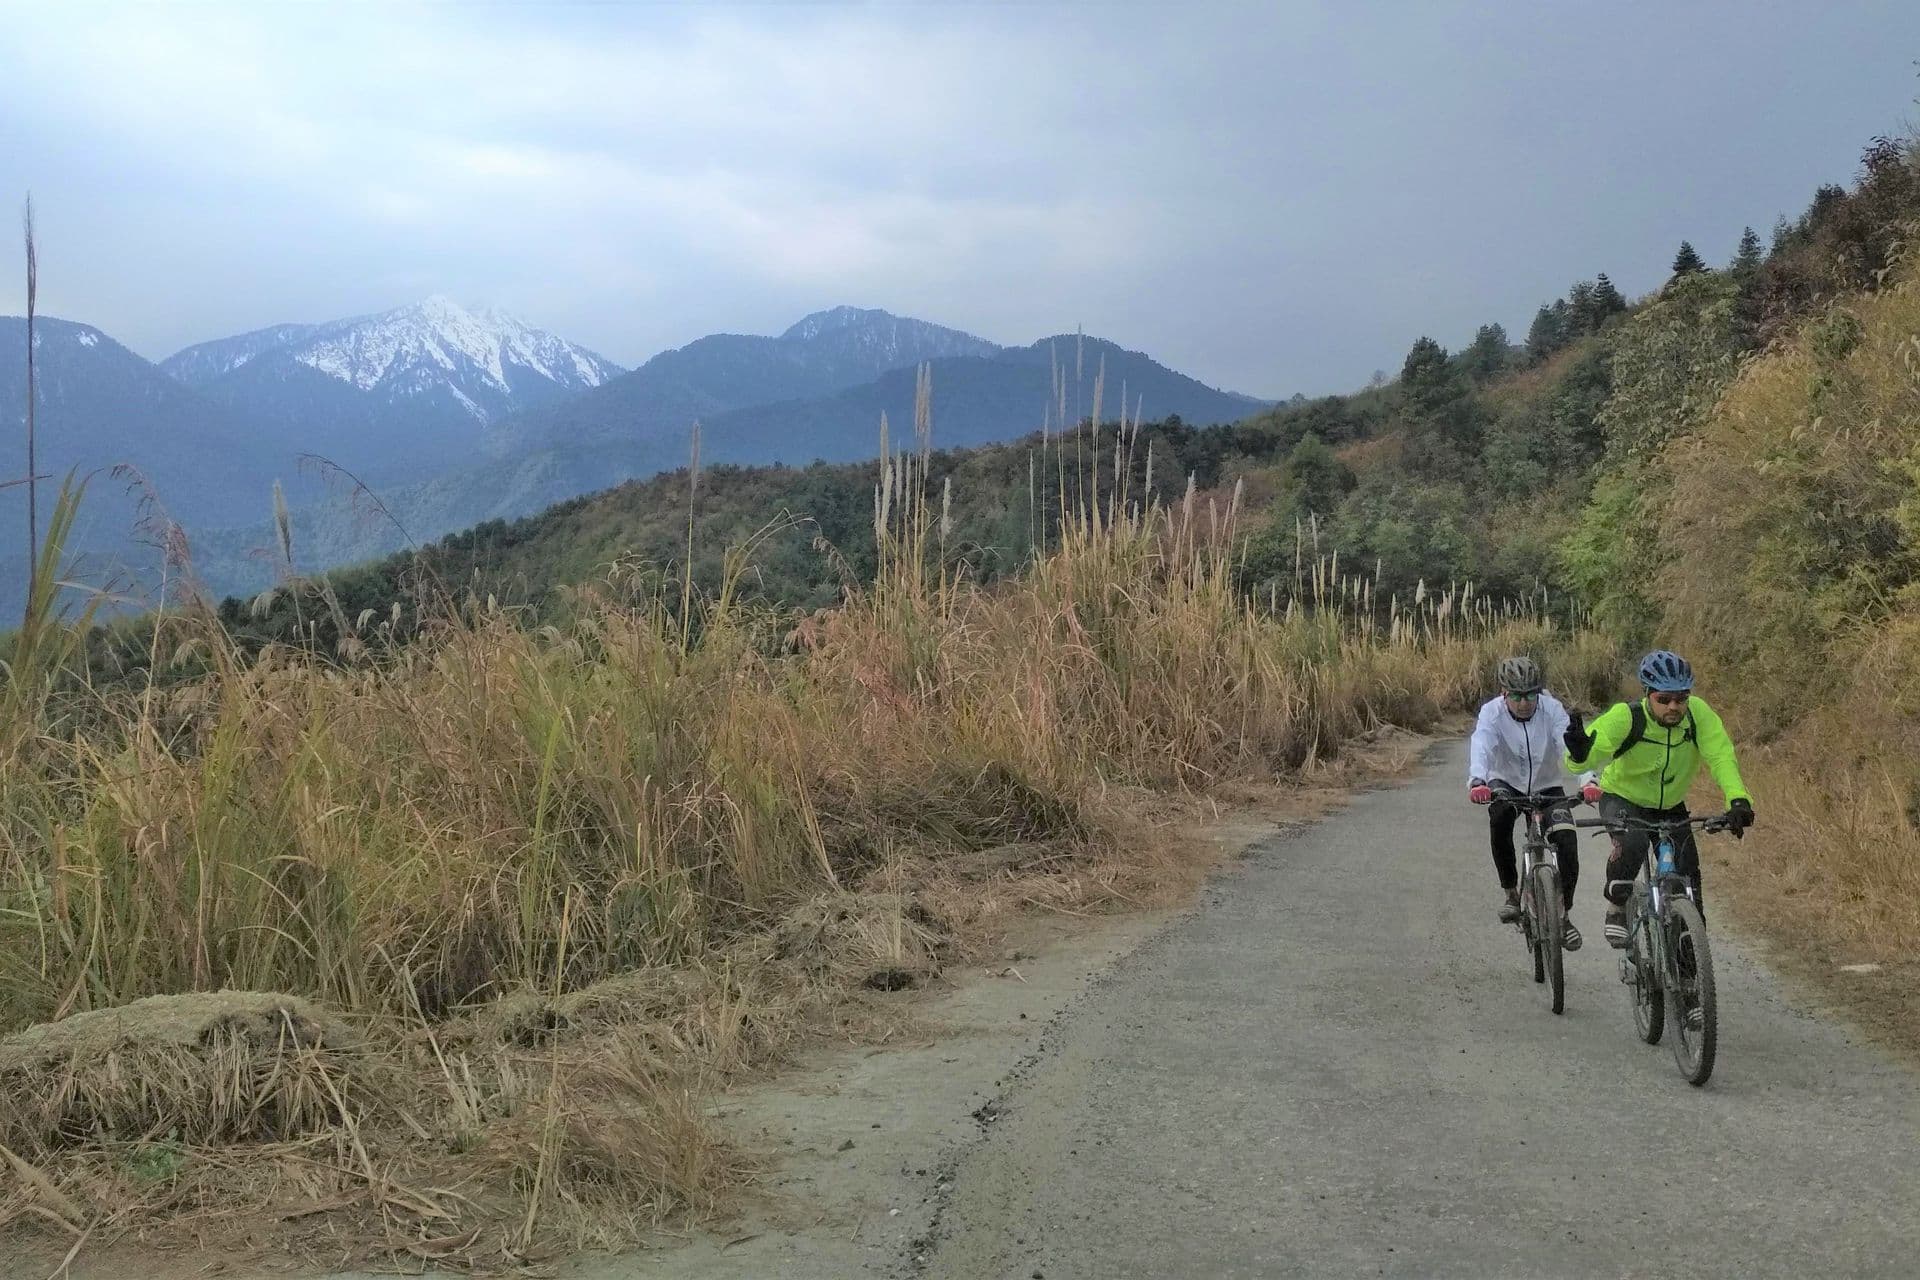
point(1642, 972)
point(1530, 929)
point(1696, 1020)
point(1548, 932)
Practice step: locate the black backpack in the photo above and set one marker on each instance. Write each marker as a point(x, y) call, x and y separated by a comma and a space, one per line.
point(1637, 731)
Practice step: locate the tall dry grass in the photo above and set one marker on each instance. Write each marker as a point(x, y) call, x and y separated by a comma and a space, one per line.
point(496, 808)
point(495, 815)
point(1793, 553)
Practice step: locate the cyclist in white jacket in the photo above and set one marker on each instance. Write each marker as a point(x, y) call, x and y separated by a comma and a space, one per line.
point(1516, 746)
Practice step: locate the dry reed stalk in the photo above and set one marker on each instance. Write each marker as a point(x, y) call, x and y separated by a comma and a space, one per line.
point(33, 464)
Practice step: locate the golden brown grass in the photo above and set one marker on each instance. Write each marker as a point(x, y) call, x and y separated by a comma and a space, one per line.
point(1793, 541)
point(563, 881)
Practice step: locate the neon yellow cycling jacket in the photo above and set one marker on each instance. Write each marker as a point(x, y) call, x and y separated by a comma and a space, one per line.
point(1657, 771)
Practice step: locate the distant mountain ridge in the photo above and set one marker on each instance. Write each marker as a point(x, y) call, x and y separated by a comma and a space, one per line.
point(822, 353)
point(614, 434)
point(99, 405)
point(415, 403)
point(202, 363)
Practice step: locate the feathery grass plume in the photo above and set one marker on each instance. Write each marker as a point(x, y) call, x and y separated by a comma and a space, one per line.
point(1093, 478)
point(283, 531)
point(693, 513)
point(366, 506)
point(923, 412)
point(155, 526)
point(1033, 508)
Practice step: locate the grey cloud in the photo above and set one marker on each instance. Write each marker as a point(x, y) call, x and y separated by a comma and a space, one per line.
point(1274, 198)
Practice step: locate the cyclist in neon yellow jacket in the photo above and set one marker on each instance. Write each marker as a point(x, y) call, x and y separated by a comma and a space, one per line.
point(1652, 750)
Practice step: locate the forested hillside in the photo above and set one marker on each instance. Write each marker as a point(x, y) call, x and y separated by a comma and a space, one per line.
point(1523, 466)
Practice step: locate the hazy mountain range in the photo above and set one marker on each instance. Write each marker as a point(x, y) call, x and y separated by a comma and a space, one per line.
point(454, 416)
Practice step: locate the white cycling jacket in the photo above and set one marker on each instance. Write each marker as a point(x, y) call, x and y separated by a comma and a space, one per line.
point(1527, 755)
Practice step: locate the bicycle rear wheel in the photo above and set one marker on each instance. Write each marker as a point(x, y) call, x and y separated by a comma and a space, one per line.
point(1548, 930)
point(1696, 1020)
point(1643, 973)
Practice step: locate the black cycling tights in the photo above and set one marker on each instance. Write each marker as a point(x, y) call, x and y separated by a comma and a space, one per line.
point(1501, 817)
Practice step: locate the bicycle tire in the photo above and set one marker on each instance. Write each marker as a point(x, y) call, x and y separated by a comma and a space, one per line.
point(1549, 929)
point(1694, 1048)
point(1529, 929)
point(1644, 990)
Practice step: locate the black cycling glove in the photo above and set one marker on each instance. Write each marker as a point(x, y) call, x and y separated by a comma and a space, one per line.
point(1578, 740)
point(1739, 816)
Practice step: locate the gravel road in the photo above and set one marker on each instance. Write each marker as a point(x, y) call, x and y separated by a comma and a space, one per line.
point(1339, 1065)
point(1335, 1064)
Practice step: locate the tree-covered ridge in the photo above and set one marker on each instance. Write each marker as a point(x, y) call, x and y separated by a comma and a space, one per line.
point(1519, 466)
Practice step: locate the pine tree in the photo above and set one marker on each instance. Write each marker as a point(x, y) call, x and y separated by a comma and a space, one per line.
point(1425, 375)
point(1580, 303)
point(1488, 355)
point(1749, 307)
point(1826, 199)
point(1686, 262)
point(1443, 428)
point(1546, 335)
point(1607, 299)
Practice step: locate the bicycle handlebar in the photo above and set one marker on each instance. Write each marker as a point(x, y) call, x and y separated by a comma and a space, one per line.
point(1711, 824)
point(1534, 800)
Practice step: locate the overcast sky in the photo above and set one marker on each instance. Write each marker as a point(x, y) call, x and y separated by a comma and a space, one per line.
point(1272, 197)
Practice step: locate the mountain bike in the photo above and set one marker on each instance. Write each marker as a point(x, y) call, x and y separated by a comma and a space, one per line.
point(1668, 965)
point(1543, 910)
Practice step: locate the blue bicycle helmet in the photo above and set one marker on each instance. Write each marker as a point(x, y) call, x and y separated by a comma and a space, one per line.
point(1665, 672)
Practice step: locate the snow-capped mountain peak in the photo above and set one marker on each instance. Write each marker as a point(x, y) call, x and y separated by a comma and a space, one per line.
point(482, 363)
point(439, 334)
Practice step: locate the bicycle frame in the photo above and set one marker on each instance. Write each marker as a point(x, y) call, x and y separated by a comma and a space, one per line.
point(1540, 919)
point(1535, 848)
point(1657, 875)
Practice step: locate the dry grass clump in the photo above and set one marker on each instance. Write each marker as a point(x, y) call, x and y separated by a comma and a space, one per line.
point(203, 1068)
point(882, 941)
point(1837, 864)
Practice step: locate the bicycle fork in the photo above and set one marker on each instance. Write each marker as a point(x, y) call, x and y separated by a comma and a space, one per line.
point(1649, 908)
point(1643, 959)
